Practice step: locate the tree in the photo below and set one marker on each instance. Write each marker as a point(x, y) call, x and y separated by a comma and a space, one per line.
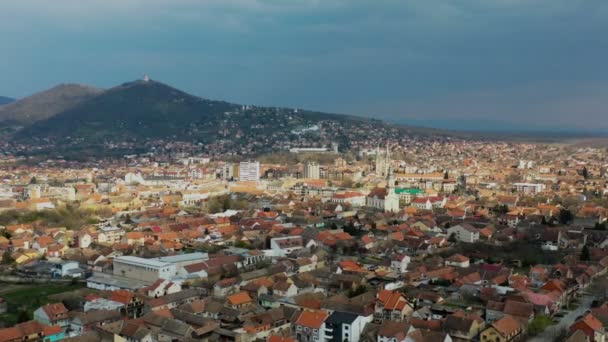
point(585, 253)
point(585, 173)
point(33, 180)
point(452, 237)
point(7, 258)
point(565, 216)
point(446, 175)
point(361, 289)
point(23, 316)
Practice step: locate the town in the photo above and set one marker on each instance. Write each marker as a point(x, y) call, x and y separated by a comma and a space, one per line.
point(445, 240)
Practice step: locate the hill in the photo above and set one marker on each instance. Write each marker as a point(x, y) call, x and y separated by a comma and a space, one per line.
point(137, 115)
point(46, 104)
point(5, 100)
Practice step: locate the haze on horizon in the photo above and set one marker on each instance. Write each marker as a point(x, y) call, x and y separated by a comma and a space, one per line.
point(525, 62)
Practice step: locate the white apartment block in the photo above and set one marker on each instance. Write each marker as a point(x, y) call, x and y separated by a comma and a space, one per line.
point(249, 171)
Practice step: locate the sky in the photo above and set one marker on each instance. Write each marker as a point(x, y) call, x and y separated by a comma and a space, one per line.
point(534, 63)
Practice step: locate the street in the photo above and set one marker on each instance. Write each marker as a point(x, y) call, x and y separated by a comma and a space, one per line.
point(554, 331)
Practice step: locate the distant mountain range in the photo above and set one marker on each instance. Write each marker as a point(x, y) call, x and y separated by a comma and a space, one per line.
point(46, 104)
point(490, 126)
point(145, 114)
point(136, 115)
point(5, 100)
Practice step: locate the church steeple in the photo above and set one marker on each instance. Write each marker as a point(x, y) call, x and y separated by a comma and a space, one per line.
point(390, 178)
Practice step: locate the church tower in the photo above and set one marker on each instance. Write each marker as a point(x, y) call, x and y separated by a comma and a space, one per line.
point(390, 179)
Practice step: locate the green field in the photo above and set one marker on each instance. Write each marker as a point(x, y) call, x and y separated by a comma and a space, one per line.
point(24, 299)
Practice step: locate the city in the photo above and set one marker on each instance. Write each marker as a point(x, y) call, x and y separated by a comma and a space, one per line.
point(303, 171)
point(487, 241)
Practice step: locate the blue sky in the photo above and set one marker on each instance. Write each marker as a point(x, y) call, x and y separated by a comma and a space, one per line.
point(528, 62)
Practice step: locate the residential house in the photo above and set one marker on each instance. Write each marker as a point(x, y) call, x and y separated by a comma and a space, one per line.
point(464, 233)
point(310, 326)
point(53, 314)
point(505, 329)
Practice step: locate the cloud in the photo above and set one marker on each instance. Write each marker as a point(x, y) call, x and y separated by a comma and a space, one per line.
point(393, 57)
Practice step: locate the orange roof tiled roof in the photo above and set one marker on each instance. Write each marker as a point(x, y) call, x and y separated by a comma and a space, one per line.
point(507, 325)
point(312, 319)
point(239, 298)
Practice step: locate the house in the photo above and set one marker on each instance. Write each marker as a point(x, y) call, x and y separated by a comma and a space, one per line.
point(282, 246)
point(393, 331)
point(344, 326)
point(310, 326)
point(464, 233)
point(399, 263)
point(520, 310)
point(426, 335)
point(67, 269)
point(356, 199)
point(225, 287)
point(368, 242)
point(463, 326)
point(591, 326)
point(504, 330)
point(391, 306)
point(82, 322)
point(284, 289)
point(53, 314)
point(457, 260)
point(428, 203)
point(31, 331)
point(239, 300)
point(161, 287)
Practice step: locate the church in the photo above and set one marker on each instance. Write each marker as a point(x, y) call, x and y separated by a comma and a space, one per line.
point(384, 199)
point(382, 162)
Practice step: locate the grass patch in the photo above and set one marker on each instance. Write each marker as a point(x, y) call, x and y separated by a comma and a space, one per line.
point(24, 299)
point(539, 324)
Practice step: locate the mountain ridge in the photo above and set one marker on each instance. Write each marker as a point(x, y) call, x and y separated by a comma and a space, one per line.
point(4, 100)
point(47, 103)
point(144, 115)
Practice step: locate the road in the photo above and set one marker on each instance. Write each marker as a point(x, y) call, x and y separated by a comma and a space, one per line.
point(552, 332)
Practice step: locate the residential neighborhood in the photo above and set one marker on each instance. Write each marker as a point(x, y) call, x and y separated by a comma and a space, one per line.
point(450, 241)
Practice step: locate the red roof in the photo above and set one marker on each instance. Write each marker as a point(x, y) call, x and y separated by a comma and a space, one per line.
point(312, 319)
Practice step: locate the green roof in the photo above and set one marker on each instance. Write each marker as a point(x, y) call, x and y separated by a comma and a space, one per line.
point(411, 191)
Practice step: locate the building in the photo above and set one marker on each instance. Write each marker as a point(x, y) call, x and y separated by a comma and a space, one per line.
point(249, 171)
point(68, 269)
point(400, 262)
point(529, 188)
point(230, 172)
point(53, 314)
point(310, 326)
point(344, 326)
point(356, 199)
point(384, 199)
point(382, 162)
point(407, 195)
point(149, 270)
point(504, 330)
point(284, 245)
point(428, 203)
point(312, 170)
point(464, 233)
